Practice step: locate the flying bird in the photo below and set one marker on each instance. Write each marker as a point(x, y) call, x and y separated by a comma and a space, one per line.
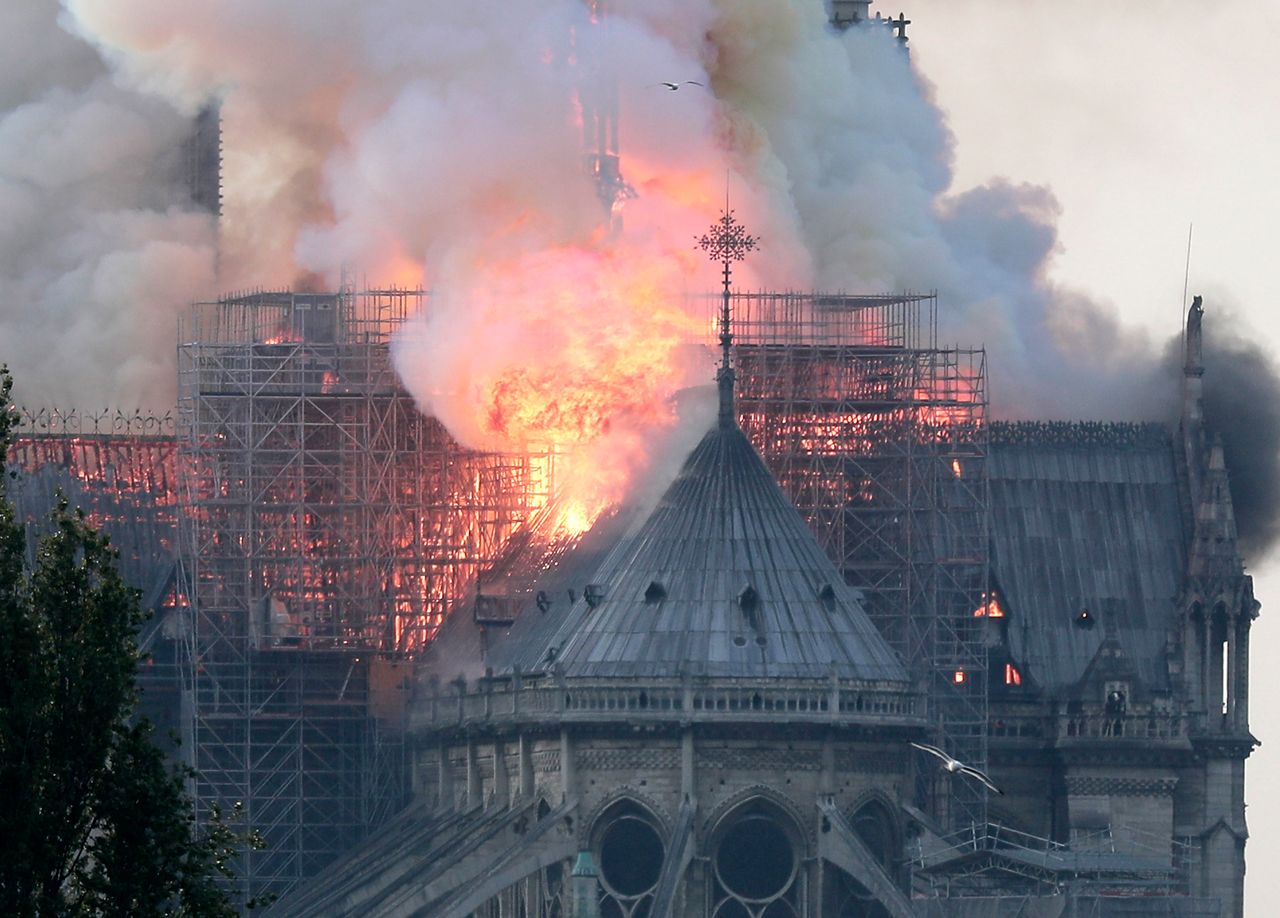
point(674, 86)
point(956, 766)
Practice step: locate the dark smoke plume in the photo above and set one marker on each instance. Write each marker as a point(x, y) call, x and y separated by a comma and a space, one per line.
point(1242, 404)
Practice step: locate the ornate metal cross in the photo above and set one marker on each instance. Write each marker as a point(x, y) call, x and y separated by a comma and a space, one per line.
point(728, 241)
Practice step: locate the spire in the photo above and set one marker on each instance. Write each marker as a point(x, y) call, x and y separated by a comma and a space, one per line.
point(597, 97)
point(726, 242)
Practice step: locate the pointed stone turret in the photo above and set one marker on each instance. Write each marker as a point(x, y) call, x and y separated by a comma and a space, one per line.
point(1218, 609)
point(1213, 551)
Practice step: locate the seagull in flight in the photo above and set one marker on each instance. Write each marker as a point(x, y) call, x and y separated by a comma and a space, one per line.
point(956, 766)
point(674, 86)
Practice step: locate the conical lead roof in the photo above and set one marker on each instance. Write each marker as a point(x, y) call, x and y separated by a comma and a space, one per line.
point(724, 578)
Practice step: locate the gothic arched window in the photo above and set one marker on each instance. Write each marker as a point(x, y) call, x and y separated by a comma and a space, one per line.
point(756, 865)
point(630, 853)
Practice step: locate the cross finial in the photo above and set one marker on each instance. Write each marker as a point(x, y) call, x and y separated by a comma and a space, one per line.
point(727, 242)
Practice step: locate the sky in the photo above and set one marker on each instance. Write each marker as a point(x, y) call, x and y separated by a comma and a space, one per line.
point(1144, 119)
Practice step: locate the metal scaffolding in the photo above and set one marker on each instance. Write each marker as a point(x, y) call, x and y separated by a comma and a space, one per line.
point(879, 437)
point(327, 529)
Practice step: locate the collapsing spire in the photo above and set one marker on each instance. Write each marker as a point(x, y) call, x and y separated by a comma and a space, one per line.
point(597, 93)
point(728, 241)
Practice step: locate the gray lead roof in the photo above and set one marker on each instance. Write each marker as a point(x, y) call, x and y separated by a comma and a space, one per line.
point(1086, 525)
point(675, 595)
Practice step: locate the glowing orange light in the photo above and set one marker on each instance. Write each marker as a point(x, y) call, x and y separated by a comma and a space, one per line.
point(1011, 675)
point(959, 677)
point(950, 401)
point(990, 607)
point(956, 469)
point(594, 345)
point(280, 337)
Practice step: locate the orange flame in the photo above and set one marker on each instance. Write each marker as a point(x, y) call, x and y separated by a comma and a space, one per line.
point(571, 349)
point(283, 336)
point(990, 607)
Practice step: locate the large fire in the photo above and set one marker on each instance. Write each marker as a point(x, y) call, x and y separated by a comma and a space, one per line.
point(575, 350)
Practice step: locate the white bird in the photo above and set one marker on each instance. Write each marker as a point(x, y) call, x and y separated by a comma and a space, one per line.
point(674, 86)
point(956, 766)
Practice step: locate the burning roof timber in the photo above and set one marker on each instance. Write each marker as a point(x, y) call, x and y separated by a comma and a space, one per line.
point(296, 392)
point(122, 470)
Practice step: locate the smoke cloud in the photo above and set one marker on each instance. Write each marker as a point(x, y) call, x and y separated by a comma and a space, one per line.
point(437, 143)
point(97, 248)
point(1242, 405)
point(442, 143)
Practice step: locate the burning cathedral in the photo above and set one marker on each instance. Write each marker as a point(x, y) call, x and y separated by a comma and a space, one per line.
point(869, 653)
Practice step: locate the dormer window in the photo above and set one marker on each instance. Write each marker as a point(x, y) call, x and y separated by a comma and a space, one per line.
point(593, 594)
point(827, 596)
point(655, 593)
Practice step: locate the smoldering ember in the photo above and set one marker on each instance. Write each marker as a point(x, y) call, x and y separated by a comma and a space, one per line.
point(633, 544)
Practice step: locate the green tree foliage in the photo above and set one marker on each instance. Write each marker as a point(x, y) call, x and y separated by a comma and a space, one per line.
point(92, 820)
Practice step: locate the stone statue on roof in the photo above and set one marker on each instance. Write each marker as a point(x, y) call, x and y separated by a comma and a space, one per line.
point(1193, 340)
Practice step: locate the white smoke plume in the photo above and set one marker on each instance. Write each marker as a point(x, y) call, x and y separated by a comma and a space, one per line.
point(98, 249)
point(432, 142)
point(436, 142)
